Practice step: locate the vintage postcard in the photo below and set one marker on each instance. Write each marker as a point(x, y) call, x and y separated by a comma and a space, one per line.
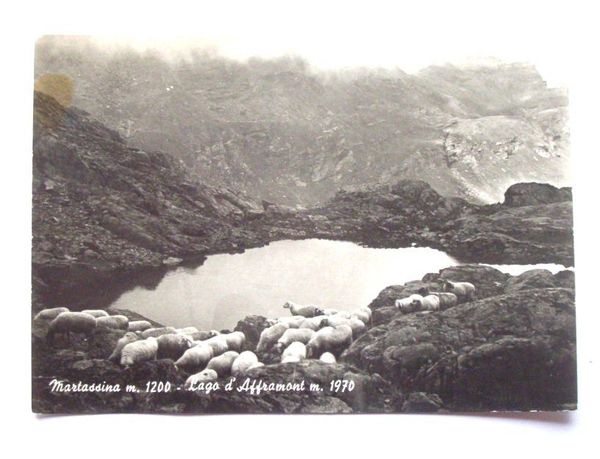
point(264, 234)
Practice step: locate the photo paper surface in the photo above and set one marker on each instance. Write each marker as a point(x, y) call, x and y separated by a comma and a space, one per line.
point(214, 234)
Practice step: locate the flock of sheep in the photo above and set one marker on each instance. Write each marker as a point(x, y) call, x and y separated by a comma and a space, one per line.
point(310, 332)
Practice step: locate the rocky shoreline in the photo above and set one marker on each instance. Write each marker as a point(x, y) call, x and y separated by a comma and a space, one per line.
point(511, 348)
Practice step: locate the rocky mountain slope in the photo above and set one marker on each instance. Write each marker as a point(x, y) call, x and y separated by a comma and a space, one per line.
point(101, 207)
point(512, 347)
point(281, 132)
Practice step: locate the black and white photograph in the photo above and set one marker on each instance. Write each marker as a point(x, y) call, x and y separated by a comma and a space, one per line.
point(313, 221)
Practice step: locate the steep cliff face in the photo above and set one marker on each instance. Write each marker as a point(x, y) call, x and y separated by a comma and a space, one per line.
point(100, 206)
point(283, 133)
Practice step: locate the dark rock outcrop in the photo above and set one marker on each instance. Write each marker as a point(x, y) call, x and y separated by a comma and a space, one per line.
point(534, 194)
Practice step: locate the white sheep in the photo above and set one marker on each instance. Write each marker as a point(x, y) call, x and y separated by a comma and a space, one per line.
point(205, 376)
point(71, 322)
point(139, 351)
point(314, 323)
point(172, 346)
point(291, 321)
point(127, 338)
point(235, 340)
point(465, 291)
point(406, 305)
point(269, 336)
point(327, 357)
point(157, 331)
point(118, 322)
point(330, 339)
point(196, 357)
point(96, 312)
point(218, 344)
point(330, 312)
point(186, 330)
point(222, 363)
point(50, 313)
point(306, 311)
point(363, 314)
point(358, 326)
point(243, 363)
point(295, 352)
point(203, 335)
point(138, 325)
point(255, 365)
point(427, 303)
point(447, 299)
point(302, 335)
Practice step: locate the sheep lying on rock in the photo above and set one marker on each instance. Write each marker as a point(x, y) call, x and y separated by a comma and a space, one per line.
point(127, 338)
point(222, 363)
point(235, 340)
point(465, 291)
point(118, 322)
point(156, 332)
point(330, 339)
point(407, 305)
point(327, 357)
point(139, 351)
point(426, 303)
point(50, 313)
point(302, 335)
point(295, 352)
point(71, 322)
point(299, 310)
point(447, 299)
point(205, 376)
point(196, 357)
point(269, 336)
point(243, 363)
point(96, 312)
point(172, 346)
point(138, 325)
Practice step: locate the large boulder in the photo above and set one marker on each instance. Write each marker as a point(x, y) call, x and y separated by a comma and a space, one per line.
point(513, 351)
point(534, 278)
point(531, 194)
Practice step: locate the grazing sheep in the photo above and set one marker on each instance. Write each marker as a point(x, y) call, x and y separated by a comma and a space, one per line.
point(314, 323)
point(204, 376)
point(127, 338)
point(50, 313)
point(70, 322)
point(330, 339)
point(465, 291)
point(306, 311)
point(118, 322)
point(138, 325)
point(407, 305)
point(96, 312)
point(222, 363)
point(172, 346)
point(156, 332)
point(243, 363)
point(218, 344)
point(139, 351)
point(302, 335)
point(186, 330)
point(426, 303)
point(195, 357)
point(270, 335)
point(291, 321)
point(235, 340)
point(295, 352)
point(447, 299)
point(327, 357)
point(358, 326)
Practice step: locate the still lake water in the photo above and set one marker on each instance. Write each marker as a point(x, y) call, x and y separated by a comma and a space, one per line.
point(332, 274)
